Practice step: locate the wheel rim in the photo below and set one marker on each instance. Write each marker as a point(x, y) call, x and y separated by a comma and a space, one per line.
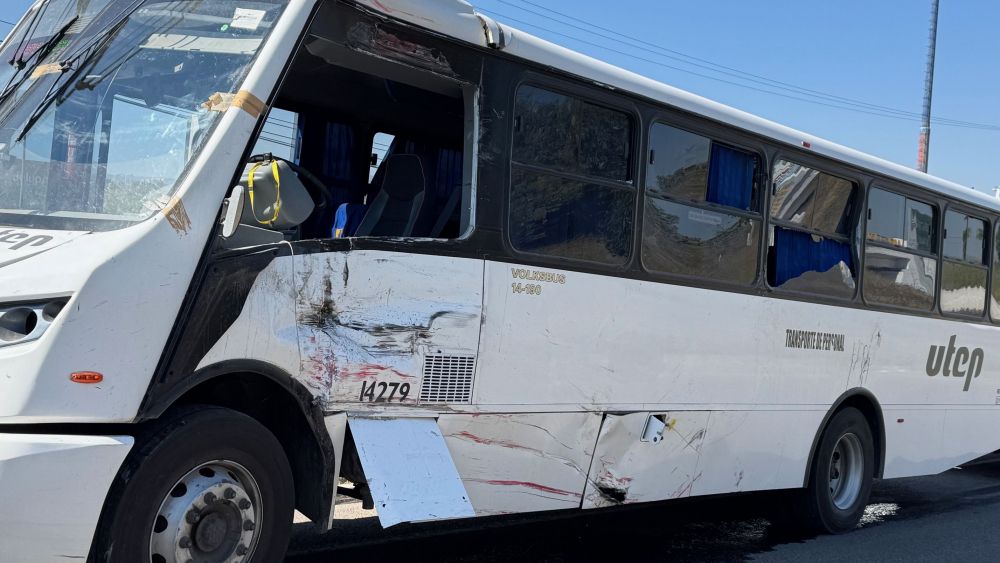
point(847, 466)
point(211, 515)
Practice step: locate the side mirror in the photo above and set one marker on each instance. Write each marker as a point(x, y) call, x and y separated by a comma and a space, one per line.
point(234, 211)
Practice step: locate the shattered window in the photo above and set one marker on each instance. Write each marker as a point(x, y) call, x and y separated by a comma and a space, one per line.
point(810, 248)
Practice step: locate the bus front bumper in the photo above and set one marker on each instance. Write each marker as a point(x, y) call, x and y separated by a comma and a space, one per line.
point(52, 489)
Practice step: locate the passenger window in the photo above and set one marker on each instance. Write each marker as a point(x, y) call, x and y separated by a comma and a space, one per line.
point(697, 219)
point(995, 292)
point(810, 247)
point(900, 252)
point(964, 273)
point(567, 134)
point(570, 193)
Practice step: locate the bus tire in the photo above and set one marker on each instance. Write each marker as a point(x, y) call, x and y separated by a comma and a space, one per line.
point(201, 482)
point(840, 480)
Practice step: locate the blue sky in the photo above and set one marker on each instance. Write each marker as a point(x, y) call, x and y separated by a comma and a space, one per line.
point(872, 52)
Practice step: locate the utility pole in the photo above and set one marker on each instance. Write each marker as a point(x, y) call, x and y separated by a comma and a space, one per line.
point(925, 126)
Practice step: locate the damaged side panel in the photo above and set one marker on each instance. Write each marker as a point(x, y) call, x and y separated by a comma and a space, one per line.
point(410, 472)
point(367, 320)
point(514, 463)
point(643, 457)
point(755, 450)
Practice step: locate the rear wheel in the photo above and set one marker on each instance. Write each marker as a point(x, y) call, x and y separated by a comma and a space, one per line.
point(204, 485)
point(840, 481)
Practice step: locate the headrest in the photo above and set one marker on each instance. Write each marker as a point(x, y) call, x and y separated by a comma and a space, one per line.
point(280, 201)
point(404, 176)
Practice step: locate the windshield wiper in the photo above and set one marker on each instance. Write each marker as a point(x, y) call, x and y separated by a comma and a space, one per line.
point(77, 62)
point(39, 55)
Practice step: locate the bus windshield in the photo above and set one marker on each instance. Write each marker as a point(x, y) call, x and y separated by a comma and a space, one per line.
point(103, 103)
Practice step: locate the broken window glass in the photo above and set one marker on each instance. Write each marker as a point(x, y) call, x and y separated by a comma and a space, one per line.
point(810, 248)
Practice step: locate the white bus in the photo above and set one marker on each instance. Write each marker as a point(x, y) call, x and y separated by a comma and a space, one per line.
point(563, 285)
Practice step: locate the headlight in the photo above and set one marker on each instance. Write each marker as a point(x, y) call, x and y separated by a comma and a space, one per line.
point(28, 321)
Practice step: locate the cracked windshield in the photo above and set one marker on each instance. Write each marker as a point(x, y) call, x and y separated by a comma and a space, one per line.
point(103, 103)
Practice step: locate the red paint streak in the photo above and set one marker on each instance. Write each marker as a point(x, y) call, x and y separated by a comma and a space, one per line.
point(527, 484)
point(380, 6)
point(370, 370)
point(492, 442)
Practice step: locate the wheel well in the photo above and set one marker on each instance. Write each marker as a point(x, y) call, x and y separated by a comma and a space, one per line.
point(864, 401)
point(873, 413)
point(282, 413)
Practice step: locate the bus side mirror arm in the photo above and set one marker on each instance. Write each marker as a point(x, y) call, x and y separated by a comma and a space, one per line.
point(232, 211)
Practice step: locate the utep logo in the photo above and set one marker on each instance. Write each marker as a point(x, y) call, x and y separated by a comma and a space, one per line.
point(18, 240)
point(955, 362)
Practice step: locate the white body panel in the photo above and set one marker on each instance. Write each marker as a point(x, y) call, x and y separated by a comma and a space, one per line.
point(522, 462)
point(52, 490)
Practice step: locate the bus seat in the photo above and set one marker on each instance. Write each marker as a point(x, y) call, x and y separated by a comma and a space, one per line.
point(394, 210)
point(347, 219)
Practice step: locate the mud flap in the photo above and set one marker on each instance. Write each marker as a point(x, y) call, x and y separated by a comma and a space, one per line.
point(409, 469)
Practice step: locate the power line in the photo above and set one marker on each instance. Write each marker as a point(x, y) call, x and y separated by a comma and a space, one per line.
point(12, 24)
point(726, 70)
point(708, 65)
point(785, 89)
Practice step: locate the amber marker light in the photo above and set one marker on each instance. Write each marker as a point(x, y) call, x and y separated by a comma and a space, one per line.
point(88, 377)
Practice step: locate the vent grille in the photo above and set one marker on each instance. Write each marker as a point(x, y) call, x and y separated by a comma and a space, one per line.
point(447, 379)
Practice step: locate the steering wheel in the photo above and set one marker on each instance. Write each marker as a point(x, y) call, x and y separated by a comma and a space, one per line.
point(320, 194)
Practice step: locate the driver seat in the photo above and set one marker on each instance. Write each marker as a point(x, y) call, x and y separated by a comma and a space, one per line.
point(395, 209)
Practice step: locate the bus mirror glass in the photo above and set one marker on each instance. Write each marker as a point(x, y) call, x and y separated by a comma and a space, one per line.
point(233, 212)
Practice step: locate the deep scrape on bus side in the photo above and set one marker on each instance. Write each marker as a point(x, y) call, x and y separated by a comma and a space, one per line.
point(249, 249)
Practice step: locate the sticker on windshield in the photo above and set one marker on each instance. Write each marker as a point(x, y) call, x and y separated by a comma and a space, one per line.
point(245, 18)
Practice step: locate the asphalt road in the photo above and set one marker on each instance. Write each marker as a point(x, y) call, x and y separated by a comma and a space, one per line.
point(947, 517)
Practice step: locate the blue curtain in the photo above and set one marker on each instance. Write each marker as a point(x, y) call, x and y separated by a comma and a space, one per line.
point(449, 173)
point(796, 253)
point(730, 177)
point(337, 156)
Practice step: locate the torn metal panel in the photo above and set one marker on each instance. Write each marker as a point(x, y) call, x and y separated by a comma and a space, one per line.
point(626, 469)
point(514, 463)
point(336, 427)
point(409, 469)
point(376, 40)
point(367, 320)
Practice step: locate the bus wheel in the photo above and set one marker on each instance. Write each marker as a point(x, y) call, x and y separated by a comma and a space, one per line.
point(204, 485)
point(841, 478)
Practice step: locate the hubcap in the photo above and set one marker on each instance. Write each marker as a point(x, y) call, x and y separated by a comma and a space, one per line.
point(211, 515)
point(847, 467)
